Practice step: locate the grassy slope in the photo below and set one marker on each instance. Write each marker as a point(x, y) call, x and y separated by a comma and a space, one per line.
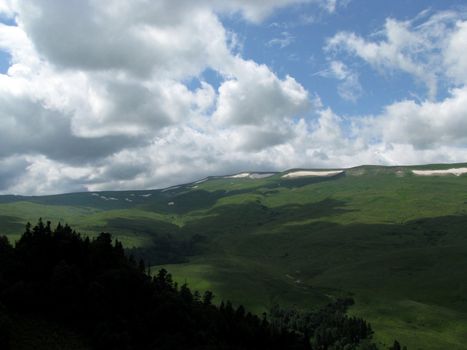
point(397, 242)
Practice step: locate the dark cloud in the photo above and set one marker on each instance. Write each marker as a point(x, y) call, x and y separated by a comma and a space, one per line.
point(11, 171)
point(140, 38)
point(123, 170)
point(28, 127)
point(255, 140)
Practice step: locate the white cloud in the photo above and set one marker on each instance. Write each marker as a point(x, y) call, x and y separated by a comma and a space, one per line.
point(430, 49)
point(349, 88)
point(6, 8)
point(283, 41)
point(454, 56)
point(96, 100)
point(426, 125)
point(155, 39)
point(95, 93)
point(256, 96)
point(330, 5)
point(255, 10)
point(426, 51)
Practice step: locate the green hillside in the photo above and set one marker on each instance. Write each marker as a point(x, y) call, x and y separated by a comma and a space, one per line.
point(395, 241)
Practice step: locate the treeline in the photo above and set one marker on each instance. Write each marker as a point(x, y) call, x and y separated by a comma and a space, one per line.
point(328, 328)
point(91, 286)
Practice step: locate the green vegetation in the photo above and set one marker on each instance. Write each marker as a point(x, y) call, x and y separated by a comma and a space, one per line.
point(59, 290)
point(393, 241)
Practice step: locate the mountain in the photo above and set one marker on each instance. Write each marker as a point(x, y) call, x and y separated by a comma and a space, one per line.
point(393, 238)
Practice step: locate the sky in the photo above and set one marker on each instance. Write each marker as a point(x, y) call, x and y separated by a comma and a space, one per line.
point(113, 95)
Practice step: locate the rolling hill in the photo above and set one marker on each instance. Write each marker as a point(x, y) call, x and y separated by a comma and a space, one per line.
point(392, 237)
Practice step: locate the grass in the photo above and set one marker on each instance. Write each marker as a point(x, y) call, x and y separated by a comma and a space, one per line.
point(394, 241)
point(423, 326)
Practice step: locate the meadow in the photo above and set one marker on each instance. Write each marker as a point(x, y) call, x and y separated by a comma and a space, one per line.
point(394, 241)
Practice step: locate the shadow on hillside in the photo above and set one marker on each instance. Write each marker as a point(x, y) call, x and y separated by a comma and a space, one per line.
point(177, 201)
point(145, 227)
point(302, 181)
point(249, 216)
point(185, 202)
point(422, 259)
point(10, 224)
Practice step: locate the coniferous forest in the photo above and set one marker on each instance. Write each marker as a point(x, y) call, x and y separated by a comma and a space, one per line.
point(91, 286)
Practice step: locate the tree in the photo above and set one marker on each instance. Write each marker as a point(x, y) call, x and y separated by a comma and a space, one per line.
point(5, 329)
point(208, 296)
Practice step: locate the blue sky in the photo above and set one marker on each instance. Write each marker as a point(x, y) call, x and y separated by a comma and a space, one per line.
point(119, 95)
point(4, 55)
point(4, 61)
point(304, 57)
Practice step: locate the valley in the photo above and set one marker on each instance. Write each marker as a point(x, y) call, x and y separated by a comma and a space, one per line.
point(392, 238)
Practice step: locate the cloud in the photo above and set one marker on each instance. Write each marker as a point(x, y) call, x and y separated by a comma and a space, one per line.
point(9, 169)
point(426, 125)
point(6, 8)
point(43, 175)
point(350, 88)
point(429, 47)
point(283, 41)
point(411, 132)
point(330, 5)
point(258, 10)
point(29, 127)
point(255, 10)
point(94, 100)
point(125, 107)
point(256, 96)
point(453, 58)
point(426, 50)
point(95, 36)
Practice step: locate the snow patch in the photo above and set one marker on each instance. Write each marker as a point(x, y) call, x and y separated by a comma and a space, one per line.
point(453, 171)
point(249, 176)
point(303, 173)
point(146, 195)
point(238, 176)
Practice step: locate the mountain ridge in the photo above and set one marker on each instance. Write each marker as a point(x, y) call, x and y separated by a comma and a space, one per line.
point(434, 166)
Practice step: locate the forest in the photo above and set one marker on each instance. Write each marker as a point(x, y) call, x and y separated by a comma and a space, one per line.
point(112, 301)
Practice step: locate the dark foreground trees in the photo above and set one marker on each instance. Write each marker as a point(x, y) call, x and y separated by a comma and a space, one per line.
point(92, 288)
point(328, 328)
